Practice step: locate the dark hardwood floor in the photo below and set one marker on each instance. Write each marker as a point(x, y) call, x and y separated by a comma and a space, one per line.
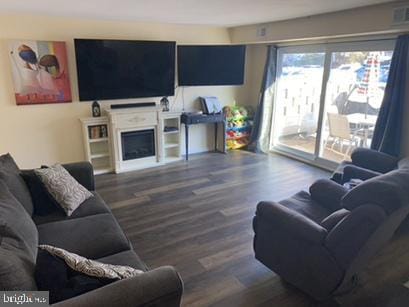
point(197, 217)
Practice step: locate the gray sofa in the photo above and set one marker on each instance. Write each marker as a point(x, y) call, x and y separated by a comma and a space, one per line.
point(319, 241)
point(92, 232)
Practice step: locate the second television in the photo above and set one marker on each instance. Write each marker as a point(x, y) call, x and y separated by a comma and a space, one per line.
point(120, 69)
point(211, 65)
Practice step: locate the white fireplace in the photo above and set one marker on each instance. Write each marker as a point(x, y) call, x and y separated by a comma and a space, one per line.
point(136, 138)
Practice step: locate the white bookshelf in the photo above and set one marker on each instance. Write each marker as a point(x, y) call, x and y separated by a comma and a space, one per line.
point(171, 139)
point(97, 144)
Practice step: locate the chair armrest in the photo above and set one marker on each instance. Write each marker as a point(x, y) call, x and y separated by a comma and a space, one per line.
point(356, 172)
point(159, 287)
point(328, 193)
point(337, 174)
point(290, 221)
point(374, 160)
point(347, 238)
point(83, 172)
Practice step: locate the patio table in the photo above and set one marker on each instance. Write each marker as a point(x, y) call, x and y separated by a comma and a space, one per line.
point(364, 122)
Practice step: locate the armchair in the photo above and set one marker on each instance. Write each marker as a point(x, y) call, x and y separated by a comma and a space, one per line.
point(365, 163)
point(320, 241)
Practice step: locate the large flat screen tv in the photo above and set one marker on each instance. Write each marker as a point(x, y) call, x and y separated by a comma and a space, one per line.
point(120, 69)
point(211, 65)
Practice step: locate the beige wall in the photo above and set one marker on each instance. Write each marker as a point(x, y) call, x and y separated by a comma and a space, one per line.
point(45, 134)
point(256, 56)
point(372, 19)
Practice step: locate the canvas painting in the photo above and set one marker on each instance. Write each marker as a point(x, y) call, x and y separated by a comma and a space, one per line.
point(40, 72)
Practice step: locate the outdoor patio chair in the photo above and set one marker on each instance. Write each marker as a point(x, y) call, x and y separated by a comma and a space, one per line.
point(340, 131)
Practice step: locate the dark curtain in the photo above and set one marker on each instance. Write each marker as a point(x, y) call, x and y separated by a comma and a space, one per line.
point(388, 129)
point(260, 136)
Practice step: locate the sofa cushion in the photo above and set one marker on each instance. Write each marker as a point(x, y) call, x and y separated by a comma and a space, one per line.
point(328, 193)
point(43, 202)
point(18, 244)
point(19, 224)
point(10, 174)
point(16, 268)
point(52, 274)
point(389, 191)
point(128, 257)
point(63, 187)
point(93, 236)
point(305, 205)
point(92, 206)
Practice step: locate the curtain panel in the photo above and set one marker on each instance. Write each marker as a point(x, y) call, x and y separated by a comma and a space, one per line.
point(261, 133)
point(387, 136)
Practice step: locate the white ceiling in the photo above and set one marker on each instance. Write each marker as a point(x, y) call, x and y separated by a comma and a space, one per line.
point(206, 12)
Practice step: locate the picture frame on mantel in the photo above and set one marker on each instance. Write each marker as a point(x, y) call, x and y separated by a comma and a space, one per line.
point(40, 72)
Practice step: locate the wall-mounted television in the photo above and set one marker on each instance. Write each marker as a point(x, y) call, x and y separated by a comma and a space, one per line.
point(120, 69)
point(211, 65)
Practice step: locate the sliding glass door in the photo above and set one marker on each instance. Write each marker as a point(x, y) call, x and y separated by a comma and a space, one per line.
point(328, 97)
point(297, 104)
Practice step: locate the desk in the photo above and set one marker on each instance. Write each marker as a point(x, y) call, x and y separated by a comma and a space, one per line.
point(195, 119)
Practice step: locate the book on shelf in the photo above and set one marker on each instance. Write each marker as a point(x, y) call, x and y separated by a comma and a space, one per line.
point(97, 132)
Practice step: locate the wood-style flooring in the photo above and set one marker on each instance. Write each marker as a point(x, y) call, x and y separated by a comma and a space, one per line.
point(197, 216)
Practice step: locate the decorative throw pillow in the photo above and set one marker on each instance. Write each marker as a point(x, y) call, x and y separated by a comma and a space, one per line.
point(91, 267)
point(63, 187)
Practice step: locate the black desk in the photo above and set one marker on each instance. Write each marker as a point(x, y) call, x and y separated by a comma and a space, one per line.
point(194, 119)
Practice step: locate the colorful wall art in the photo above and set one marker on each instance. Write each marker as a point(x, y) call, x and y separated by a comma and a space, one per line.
point(40, 72)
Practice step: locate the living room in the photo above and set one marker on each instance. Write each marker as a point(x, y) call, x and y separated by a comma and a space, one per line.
point(239, 106)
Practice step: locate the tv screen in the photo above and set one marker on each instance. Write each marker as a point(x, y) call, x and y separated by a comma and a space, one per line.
point(211, 65)
point(120, 69)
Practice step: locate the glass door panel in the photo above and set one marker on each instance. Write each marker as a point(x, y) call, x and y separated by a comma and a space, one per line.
point(354, 94)
point(298, 100)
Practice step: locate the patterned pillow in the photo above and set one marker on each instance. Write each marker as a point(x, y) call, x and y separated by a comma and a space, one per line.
point(91, 267)
point(68, 193)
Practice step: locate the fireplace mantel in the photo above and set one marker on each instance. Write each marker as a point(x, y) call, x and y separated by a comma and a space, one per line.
point(135, 119)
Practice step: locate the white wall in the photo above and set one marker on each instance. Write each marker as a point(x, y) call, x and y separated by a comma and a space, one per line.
point(45, 134)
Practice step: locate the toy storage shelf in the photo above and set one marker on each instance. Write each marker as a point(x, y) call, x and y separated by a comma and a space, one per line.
point(97, 143)
point(239, 125)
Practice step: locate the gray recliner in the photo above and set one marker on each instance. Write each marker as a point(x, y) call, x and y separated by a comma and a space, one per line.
point(367, 163)
point(319, 241)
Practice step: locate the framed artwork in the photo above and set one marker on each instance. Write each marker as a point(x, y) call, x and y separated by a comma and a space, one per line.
point(40, 72)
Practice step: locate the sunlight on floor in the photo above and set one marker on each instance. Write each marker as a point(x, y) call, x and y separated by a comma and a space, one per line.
point(307, 144)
